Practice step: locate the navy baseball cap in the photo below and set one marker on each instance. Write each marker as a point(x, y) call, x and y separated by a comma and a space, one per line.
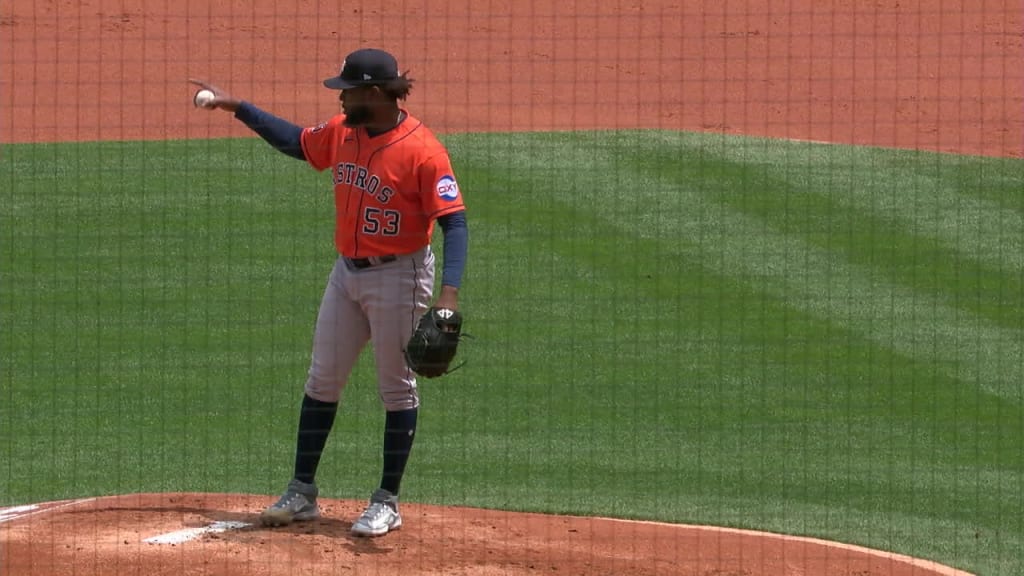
point(364, 67)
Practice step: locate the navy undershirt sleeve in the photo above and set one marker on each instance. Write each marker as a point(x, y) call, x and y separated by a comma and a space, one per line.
point(456, 245)
point(279, 133)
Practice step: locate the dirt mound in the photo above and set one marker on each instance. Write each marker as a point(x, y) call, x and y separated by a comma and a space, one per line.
point(200, 534)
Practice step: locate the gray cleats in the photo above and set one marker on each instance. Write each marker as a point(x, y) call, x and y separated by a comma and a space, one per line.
point(380, 517)
point(297, 503)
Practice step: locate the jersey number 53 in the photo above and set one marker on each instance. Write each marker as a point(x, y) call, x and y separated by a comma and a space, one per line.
point(379, 221)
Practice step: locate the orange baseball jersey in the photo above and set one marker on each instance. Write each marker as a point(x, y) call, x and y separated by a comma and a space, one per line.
point(388, 188)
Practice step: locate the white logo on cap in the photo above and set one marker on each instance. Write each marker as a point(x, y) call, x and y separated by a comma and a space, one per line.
point(447, 188)
point(367, 77)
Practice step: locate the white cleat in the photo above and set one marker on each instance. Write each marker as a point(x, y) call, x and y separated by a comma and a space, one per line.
point(380, 517)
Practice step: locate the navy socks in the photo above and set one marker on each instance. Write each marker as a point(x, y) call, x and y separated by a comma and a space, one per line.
point(315, 422)
point(399, 433)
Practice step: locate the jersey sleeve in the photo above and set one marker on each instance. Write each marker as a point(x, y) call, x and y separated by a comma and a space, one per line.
point(440, 191)
point(319, 143)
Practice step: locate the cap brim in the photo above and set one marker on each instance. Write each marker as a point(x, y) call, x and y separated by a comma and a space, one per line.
point(336, 83)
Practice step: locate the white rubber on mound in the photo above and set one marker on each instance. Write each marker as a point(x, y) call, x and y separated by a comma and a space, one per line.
point(187, 534)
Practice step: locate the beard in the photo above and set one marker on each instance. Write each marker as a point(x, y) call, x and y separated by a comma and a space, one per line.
point(358, 116)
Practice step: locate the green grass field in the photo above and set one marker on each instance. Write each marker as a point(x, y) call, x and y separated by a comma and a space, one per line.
point(802, 338)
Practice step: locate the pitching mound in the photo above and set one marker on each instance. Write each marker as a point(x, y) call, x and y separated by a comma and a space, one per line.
point(193, 534)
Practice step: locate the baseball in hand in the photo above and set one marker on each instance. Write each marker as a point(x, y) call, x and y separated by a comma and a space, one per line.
point(203, 99)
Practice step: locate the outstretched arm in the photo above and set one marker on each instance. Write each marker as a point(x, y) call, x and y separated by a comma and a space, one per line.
point(279, 133)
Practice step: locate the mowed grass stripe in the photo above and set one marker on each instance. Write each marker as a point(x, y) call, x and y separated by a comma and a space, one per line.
point(995, 181)
point(706, 308)
point(703, 297)
point(708, 315)
point(787, 195)
point(772, 434)
point(964, 205)
point(920, 324)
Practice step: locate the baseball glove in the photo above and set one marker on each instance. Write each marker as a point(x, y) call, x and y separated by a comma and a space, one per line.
point(434, 342)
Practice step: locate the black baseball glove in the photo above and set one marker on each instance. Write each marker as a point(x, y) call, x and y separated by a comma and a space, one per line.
point(434, 342)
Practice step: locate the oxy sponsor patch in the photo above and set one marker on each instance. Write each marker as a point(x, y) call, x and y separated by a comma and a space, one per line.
point(447, 188)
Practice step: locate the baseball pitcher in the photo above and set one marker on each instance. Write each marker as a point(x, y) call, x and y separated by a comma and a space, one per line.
point(392, 180)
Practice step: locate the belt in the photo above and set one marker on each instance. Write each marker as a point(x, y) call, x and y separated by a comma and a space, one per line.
point(360, 263)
